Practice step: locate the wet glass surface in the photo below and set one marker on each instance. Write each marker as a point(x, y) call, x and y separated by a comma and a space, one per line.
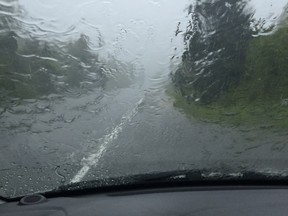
point(95, 89)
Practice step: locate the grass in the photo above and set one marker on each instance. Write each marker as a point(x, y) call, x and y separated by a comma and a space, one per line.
point(234, 109)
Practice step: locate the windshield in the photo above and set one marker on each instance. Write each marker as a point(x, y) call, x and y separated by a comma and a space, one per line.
point(97, 89)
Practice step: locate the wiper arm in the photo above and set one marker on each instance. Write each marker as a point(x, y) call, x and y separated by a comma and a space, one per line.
point(141, 179)
point(172, 178)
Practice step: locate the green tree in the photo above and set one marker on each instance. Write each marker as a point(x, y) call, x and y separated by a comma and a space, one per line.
point(81, 49)
point(8, 42)
point(31, 67)
point(80, 61)
point(216, 41)
point(9, 9)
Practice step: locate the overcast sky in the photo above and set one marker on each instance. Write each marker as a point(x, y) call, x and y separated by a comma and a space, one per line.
point(132, 29)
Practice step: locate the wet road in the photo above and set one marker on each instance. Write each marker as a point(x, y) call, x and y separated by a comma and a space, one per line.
point(132, 130)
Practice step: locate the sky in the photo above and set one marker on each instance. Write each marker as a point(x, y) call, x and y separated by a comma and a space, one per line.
point(133, 30)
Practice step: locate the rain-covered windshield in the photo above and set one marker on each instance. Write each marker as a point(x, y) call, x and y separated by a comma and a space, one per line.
point(100, 89)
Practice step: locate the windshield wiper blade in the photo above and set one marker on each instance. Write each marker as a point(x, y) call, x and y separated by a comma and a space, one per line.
point(172, 178)
point(206, 175)
point(176, 178)
point(122, 181)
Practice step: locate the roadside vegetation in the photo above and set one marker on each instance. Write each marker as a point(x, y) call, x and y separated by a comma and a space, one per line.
point(33, 67)
point(234, 69)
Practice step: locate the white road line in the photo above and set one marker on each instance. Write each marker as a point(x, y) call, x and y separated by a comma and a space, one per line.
point(93, 158)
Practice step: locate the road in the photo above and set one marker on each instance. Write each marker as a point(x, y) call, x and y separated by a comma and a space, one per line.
point(57, 140)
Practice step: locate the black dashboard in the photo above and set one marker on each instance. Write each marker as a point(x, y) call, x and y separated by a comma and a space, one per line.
point(169, 201)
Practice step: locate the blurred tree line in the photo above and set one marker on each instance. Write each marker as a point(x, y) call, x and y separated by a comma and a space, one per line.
point(226, 48)
point(31, 67)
